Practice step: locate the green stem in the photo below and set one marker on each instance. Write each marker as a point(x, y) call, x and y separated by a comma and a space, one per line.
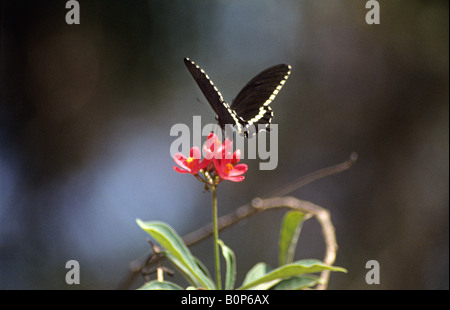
point(216, 238)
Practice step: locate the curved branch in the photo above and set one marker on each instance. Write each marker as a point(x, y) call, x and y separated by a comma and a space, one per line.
point(323, 217)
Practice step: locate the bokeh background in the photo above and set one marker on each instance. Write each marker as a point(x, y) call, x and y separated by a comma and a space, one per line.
point(86, 112)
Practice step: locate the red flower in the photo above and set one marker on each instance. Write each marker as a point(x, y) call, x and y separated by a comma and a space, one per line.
point(212, 147)
point(191, 164)
point(227, 169)
point(219, 163)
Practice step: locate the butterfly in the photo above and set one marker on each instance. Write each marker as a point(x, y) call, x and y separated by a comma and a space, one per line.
point(251, 107)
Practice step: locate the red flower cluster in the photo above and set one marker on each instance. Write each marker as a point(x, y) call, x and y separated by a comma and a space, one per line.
point(219, 163)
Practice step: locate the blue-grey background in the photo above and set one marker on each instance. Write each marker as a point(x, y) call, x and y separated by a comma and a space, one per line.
point(86, 112)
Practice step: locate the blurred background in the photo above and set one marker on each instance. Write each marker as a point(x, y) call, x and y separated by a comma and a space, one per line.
point(86, 112)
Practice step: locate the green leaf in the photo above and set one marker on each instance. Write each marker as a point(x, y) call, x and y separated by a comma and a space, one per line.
point(191, 277)
point(257, 271)
point(177, 252)
point(202, 267)
point(290, 231)
point(296, 283)
point(290, 270)
point(230, 260)
point(158, 285)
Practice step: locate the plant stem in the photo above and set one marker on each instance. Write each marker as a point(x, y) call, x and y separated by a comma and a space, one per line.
point(216, 238)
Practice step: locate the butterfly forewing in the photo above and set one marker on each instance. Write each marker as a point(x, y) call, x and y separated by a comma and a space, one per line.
point(212, 94)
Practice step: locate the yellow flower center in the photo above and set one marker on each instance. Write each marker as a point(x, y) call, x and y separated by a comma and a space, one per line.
point(228, 168)
point(190, 162)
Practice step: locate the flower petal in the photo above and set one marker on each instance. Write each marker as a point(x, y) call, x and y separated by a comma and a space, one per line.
point(180, 160)
point(236, 156)
point(218, 167)
point(236, 179)
point(238, 170)
point(195, 153)
point(227, 145)
point(179, 170)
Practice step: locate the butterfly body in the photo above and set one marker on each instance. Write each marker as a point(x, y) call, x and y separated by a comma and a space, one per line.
point(251, 105)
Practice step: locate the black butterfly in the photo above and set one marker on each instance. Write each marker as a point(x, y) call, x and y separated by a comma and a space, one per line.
point(251, 105)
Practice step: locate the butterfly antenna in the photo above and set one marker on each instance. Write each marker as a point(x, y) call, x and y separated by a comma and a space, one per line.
point(199, 101)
